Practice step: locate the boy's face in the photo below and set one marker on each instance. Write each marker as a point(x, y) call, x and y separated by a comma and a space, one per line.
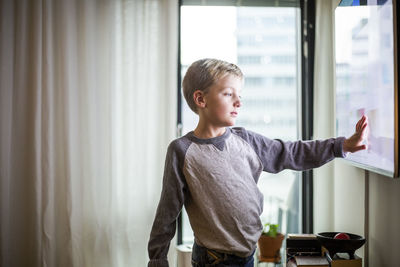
point(222, 102)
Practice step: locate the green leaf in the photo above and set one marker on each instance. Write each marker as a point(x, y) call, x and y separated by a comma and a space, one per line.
point(270, 229)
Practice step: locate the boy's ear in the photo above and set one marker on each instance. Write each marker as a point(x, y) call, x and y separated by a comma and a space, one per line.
point(199, 100)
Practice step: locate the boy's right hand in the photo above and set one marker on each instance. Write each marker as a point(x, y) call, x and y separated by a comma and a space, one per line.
point(355, 142)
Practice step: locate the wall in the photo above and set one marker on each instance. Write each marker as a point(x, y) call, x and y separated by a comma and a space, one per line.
point(384, 221)
point(366, 203)
point(347, 198)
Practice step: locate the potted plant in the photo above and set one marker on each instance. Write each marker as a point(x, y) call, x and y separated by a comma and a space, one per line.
point(270, 243)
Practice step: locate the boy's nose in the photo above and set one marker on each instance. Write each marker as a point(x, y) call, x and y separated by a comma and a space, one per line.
point(238, 103)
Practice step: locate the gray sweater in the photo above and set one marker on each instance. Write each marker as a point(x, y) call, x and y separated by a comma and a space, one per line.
point(216, 179)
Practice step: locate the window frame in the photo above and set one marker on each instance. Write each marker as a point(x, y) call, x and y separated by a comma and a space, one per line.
point(307, 8)
point(307, 31)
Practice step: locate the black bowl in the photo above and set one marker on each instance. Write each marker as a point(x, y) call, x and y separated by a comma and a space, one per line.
point(340, 245)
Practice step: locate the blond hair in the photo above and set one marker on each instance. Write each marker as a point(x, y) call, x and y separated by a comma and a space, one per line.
point(202, 74)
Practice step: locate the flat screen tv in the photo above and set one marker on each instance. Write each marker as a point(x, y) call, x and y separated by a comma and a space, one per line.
point(367, 80)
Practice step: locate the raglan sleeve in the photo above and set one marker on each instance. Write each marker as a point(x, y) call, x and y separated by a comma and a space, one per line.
point(169, 206)
point(277, 155)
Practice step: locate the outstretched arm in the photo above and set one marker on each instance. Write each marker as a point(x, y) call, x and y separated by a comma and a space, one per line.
point(277, 155)
point(355, 142)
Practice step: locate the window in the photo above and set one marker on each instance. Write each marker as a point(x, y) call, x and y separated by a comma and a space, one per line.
point(248, 36)
point(249, 60)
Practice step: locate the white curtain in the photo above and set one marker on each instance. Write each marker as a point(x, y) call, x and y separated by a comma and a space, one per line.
point(87, 109)
point(324, 110)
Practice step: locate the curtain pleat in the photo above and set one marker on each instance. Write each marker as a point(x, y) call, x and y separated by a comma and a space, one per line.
point(324, 94)
point(87, 109)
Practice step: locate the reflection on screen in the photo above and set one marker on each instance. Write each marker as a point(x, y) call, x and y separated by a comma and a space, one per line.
point(365, 80)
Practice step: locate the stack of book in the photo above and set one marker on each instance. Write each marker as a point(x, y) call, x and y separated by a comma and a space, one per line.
point(304, 250)
point(302, 245)
point(308, 261)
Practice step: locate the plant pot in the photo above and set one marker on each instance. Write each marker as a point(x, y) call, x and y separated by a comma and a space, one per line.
point(269, 247)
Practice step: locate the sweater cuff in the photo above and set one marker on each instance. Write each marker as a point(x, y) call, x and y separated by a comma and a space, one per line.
point(338, 147)
point(158, 263)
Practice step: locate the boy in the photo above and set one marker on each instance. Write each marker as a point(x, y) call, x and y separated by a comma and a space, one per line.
point(214, 170)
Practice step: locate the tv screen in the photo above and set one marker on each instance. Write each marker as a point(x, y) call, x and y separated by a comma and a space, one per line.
point(366, 80)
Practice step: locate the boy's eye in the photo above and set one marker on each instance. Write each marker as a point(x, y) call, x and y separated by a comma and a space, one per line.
point(228, 94)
